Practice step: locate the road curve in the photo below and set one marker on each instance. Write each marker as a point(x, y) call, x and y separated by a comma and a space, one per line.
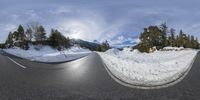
point(82, 79)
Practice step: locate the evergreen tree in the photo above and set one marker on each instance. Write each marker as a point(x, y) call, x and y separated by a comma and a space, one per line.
point(180, 39)
point(22, 43)
point(40, 34)
point(192, 41)
point(164, 30)
point(58, 41)
point(17, 38)
point(2, 45)
point(152, 36)
point(196, 43)
point(19, 35)
point(176, 41)
point(144, 47)
point(172, 41)
point(20, 29)
point(188, 42)
point(9, 42)
point(105, 46)
point(98, 48)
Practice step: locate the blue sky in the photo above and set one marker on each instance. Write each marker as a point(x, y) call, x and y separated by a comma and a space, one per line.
point(112, 20)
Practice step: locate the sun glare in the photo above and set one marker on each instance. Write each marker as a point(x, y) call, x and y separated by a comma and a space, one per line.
point(76, 29)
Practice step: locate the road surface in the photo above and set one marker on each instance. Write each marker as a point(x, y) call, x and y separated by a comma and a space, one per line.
point(82, 79)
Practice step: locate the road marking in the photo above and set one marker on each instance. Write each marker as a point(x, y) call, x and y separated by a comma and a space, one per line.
point(16, 63)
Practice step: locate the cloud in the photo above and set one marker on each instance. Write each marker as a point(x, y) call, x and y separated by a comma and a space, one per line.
point(62, 10)
point(87, 25)
point(101, 20)
point(5, 29)
point(76, 28)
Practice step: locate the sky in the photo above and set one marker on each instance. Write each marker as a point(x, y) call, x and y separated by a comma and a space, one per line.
point(113, 20)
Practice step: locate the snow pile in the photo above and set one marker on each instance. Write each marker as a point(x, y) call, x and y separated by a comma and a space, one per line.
point(127, 49)
point(48, 54)
point(136, 51)
point(173, 48)
point(156, 68)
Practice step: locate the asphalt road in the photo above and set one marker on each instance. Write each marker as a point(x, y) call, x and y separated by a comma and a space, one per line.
point(82, 79)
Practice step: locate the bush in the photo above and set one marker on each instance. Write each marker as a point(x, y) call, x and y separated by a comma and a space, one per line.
point(144, 47)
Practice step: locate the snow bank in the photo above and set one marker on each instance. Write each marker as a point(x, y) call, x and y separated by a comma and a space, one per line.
point(145, 69)
point(48, 54)
point(127, 49)
point(173, 48)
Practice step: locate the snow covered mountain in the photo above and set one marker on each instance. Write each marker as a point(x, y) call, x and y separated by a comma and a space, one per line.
point(85, 44)
point(97, 42)
point(93, 45)
point(126, 43)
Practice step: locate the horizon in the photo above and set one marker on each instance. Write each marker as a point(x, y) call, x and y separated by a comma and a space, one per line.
point(115, 21)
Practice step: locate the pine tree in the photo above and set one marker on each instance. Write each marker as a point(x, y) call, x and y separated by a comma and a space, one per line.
point(99, 48)
point(188, 42)
point(58, 41)
point(152, 36)
point(22, 43)
point(192, 42)
point(40, 34)
point(172, 43)
point(9, 42)
point(180, 40)
point(105, 46)
point(196, 44)
point(164, 30)
point(2, 46)
point(20, 34)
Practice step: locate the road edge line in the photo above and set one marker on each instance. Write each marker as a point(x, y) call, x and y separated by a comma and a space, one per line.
point(17, 63)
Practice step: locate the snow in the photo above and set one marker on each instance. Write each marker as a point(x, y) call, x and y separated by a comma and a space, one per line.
point(47, 54)
point(173, 48)
point(152, 69)
point(127, 49)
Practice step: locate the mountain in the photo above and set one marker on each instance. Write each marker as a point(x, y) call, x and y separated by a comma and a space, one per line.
point(96, 41)
point(89, 45)
point(126, 43)
point(95, 44)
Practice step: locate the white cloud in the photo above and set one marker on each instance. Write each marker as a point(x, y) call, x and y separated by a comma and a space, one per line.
point(8, 27)
point(5, 29)
point(80, 28)
point(101, 20)
point(61, 10)
point(32, 15)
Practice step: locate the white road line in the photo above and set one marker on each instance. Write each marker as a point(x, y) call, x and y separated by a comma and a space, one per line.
point(16, 63)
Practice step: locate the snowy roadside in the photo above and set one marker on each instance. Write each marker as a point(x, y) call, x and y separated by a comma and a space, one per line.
point(47, 54)
point(142, 69)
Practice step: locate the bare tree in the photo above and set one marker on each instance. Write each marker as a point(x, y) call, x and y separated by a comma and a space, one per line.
point(37, 31)
point(29, 33)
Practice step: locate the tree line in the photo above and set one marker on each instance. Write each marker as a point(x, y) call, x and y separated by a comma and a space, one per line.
point(35, 34)
point(161, 36)
point(153, 36)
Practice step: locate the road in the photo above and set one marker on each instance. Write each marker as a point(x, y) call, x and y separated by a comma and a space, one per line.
point(82, 79)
